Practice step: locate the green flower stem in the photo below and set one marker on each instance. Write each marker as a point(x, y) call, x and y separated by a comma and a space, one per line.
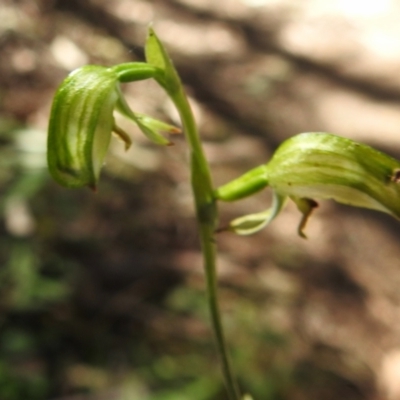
point(134, 71)
point(207, 214)
point(249, 183)
point(203, 191)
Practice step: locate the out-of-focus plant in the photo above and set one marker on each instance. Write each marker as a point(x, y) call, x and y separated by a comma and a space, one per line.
point(306, 167)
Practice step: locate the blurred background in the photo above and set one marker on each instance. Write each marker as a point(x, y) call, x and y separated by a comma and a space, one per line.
point(102, 295)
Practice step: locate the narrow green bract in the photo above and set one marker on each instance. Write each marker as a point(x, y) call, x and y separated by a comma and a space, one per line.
point(157, 56)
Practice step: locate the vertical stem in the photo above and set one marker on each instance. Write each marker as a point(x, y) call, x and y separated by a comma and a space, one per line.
point(209, 254)
point(207, 215)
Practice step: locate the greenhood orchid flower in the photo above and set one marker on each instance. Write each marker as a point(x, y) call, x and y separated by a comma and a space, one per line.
point(82, 121)
point(313, 166)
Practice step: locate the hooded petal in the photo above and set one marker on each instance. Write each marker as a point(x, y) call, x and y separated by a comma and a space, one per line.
point(80, 126)
point(325, 166)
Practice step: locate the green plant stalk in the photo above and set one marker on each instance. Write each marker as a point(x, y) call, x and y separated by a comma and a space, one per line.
point(203, 192)
point(207, 214)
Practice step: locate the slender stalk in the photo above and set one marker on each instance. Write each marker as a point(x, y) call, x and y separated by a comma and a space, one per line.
point(160, 67)
point(207, 215)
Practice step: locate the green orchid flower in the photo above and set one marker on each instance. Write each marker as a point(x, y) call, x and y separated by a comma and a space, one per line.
point(313, 166)
point(82, 120)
